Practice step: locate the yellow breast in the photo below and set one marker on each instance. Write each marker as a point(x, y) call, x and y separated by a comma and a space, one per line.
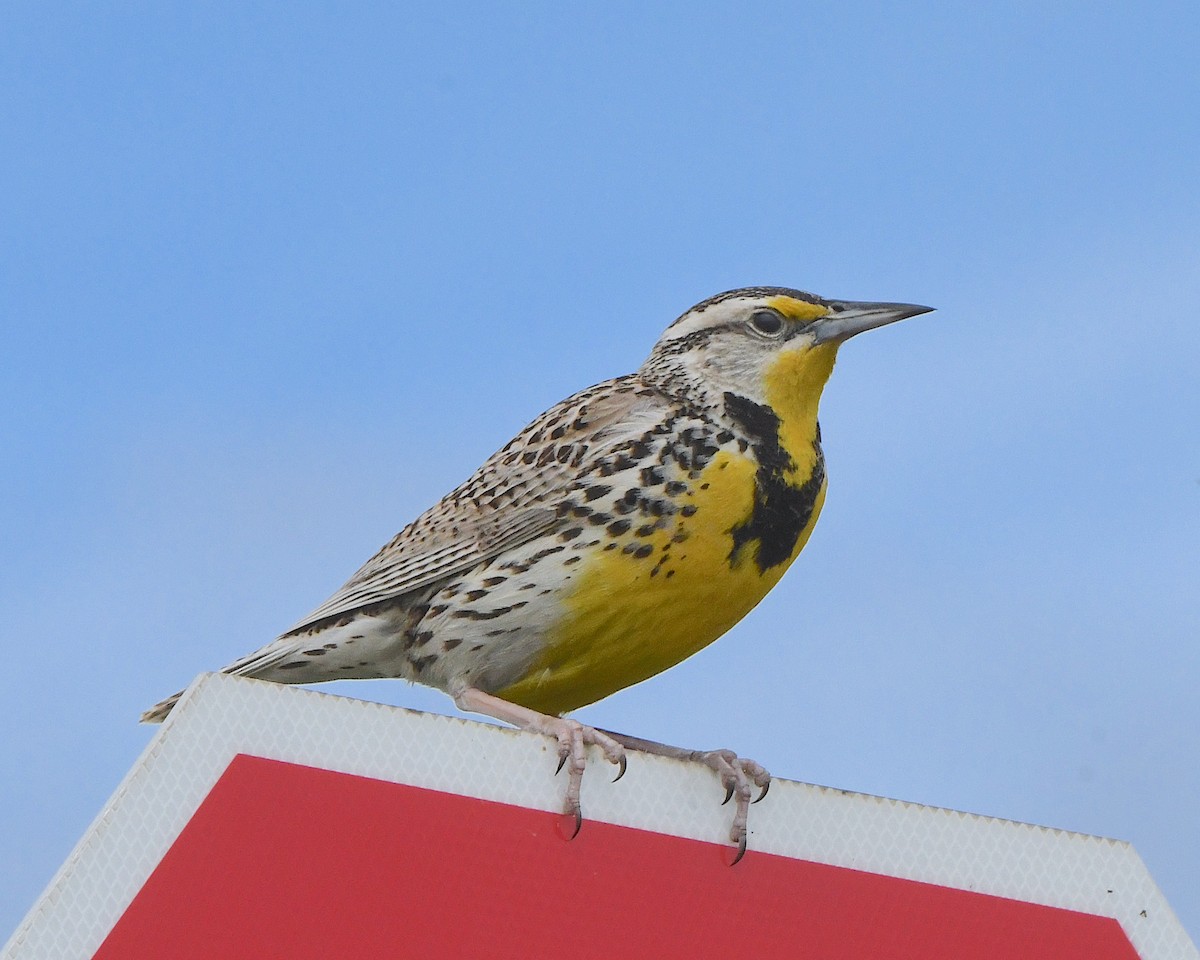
point(649, 602)
point(640, 604)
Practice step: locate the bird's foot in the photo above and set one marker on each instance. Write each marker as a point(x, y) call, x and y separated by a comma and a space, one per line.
point(573, 740)
point(739, 777)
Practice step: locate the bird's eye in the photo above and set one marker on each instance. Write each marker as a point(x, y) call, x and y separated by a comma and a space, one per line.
point(767, 322)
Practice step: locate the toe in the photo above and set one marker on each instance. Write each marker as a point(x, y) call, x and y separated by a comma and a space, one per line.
point(740, 841)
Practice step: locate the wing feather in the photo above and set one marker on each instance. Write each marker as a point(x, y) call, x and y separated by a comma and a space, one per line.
point(511, 499)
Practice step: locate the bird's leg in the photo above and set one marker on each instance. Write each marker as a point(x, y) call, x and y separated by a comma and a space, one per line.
point(736, 773)
point(573, 737)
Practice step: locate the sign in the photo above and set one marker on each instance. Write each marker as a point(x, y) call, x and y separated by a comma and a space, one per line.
point(266, 821)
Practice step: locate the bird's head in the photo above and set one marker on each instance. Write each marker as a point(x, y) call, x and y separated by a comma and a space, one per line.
point(773, 345)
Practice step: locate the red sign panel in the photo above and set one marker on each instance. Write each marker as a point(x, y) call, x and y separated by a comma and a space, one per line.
point(295, 862)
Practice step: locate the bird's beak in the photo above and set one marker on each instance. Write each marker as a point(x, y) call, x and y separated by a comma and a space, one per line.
point(846, 318)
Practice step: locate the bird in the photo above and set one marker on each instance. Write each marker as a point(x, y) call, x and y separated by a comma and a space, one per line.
point(620, 532)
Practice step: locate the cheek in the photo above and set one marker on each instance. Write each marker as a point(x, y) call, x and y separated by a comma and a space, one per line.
point(737, 372)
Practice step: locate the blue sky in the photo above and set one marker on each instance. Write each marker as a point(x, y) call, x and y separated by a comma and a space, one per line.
point(274, 279)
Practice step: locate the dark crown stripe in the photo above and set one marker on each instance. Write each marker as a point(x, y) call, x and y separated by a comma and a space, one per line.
point(750, 292)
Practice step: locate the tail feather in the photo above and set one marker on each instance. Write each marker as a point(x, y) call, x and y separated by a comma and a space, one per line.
point(358, 648)
point(253, 665)
point(158, 712)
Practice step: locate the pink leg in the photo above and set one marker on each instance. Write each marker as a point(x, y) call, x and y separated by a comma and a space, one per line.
point(572, 736)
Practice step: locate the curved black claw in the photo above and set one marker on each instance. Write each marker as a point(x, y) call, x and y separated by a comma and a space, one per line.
point(562, 762)
point(621, 771)
point(728, 796)
point(579, 824)
point(741, 852)
point(766, 787)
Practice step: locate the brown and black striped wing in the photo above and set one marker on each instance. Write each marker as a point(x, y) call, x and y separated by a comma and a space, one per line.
point(510, 500)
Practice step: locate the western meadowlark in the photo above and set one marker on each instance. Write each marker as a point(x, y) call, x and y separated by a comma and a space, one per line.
point(621, 531)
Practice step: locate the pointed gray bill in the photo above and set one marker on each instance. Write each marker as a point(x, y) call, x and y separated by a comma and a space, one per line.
point(847, 318)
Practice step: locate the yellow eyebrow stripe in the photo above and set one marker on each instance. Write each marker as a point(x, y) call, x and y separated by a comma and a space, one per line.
point(795, 309)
